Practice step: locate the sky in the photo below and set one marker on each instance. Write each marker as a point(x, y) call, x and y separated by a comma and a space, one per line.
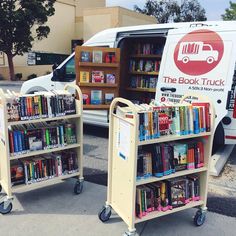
point(214, 8)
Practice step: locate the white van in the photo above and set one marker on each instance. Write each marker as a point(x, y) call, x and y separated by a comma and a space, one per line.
point(197, 57)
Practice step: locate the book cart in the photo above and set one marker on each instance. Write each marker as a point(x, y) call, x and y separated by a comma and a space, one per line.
point(6, 158)
point(122, 168)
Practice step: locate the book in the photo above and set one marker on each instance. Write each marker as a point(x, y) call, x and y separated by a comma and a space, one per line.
point(17, 172)
point(97, 77)
point(110, 78)
point(86, 99)
point(108, 98)
point(97, 57)
point(96, 97)
point(84, 76)
point(110, 57)
point(85, 56)
point(180, 156)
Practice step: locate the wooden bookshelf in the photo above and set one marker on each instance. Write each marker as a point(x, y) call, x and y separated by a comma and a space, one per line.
point(103, 67)
point(143, 73)
point(145, 56)
point(150, 90)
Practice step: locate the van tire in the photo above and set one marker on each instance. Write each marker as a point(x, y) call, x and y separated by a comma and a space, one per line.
point(185, 60)
point(210, 60)
point(219, 138)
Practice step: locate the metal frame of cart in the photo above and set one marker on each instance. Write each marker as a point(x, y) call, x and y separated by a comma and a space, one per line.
point(6, 158)
point(122, 169)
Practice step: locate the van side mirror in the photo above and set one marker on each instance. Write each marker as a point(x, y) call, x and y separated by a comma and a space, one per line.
point(58, 74)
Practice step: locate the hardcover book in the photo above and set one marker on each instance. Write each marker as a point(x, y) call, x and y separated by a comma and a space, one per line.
point(96, 97)
point(97, 56)
point(97, 77)
point(110, 78)
point(85, 56)
point(84, 77)
point(86, 99)
point(108, 98)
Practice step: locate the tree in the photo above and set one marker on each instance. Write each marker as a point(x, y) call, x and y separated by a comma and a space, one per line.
point(230, 13)
point(190, 10)
point(164, 10)
point(170, 10)
point(21, 23)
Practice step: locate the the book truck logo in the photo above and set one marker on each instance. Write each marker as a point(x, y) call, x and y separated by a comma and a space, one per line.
point(198, 52)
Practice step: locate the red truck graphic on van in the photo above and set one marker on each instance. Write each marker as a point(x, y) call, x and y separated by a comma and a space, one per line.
point(197, 51)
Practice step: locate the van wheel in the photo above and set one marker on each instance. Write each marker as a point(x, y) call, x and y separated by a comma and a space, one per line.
point(219, 138)
point(210, 60)
point(185, 60)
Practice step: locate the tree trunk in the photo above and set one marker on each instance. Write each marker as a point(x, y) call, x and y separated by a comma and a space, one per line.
point(11, 66)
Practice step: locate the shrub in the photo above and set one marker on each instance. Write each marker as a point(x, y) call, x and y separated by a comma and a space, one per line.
point(18, 76)
point(31, 76)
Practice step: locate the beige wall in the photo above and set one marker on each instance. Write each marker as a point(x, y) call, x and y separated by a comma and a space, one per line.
point(84, 4)
point(110, 17)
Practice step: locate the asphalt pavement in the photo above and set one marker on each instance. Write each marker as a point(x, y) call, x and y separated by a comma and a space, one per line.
point(55, 210)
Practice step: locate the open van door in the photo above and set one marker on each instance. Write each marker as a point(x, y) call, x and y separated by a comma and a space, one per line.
point(199, 60)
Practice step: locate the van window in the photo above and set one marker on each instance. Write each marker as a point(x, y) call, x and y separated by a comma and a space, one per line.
point(66, 73)
point(70, 69)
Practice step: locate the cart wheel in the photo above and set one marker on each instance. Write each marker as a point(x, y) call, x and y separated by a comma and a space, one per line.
point(78, 187)
point(105, 214)
point(0, 188)
point(199, 218)
point(7, 210)
point(129, 234)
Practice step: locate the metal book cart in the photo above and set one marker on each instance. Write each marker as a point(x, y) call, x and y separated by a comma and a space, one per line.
point(122, 168)
point(6, 158)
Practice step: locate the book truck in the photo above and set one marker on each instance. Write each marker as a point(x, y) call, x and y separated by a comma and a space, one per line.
point(164, 98)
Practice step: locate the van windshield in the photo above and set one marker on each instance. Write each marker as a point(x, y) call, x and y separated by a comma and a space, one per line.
point(70, 68)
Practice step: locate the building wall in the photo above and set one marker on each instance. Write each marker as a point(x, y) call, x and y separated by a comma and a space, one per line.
point(110, 17)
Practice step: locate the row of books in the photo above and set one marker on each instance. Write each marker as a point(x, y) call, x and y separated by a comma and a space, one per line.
point(39, 105)
point(167, 158)
point(144, 65)
point(140, 81)
point(166, 195)
point(179, 119)
point(41, 168)
point(40, 136)
point(96, 77)
point(148, 48)
point(96, 98)
point(97, 56)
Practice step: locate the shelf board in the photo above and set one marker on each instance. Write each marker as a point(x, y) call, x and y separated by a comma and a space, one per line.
point(98, 107)
point(97, 85)
point(40, 152)
point(146, 56)
point(176, 174)
point(21, 122)
point(47, 182)
point(150, 90)
point(169, 138)
point(156, 214)
point(91, 64)
point(143, 73)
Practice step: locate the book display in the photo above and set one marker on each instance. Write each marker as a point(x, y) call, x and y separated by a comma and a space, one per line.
point(97, 75)
point(140, 65)
point(158, 160)
point(41, 141)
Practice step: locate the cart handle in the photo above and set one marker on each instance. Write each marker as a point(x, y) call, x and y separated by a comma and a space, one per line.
point(76, 87)
point(125, 102)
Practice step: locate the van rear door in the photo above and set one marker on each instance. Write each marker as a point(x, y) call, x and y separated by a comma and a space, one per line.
point(198, 60)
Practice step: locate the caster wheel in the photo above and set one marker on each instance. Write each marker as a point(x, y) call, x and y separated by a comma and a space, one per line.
point(199, 218)
point(78, 187)
point(105, 214)
point(0, 188)
point(7, 210)
point(129, 234)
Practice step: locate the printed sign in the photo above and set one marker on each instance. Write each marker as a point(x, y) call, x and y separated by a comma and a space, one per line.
point(198, 52)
